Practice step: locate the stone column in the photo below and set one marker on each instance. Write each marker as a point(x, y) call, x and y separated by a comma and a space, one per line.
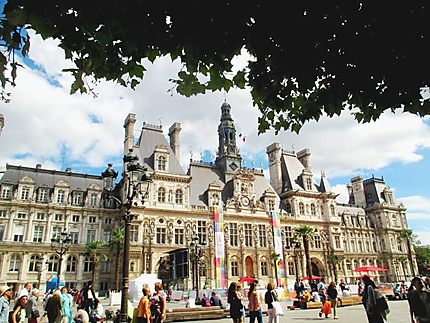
point(29, 227)
point(48, 229)
point(24, 268)
point(10, 226)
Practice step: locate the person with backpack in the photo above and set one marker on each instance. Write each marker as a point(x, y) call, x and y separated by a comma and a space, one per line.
point(270, 297)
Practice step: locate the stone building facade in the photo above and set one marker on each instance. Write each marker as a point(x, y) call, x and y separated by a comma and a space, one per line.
point(180, 208)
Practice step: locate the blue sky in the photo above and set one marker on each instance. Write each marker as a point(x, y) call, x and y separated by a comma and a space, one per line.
point(46, 125)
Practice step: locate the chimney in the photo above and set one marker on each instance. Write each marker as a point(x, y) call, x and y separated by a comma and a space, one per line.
point(358, 191)
point(304, 156)
point(174, 131)
point(129, 132)
point(274, 153)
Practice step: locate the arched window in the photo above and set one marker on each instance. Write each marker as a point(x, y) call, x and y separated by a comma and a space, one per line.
point(87, 264)
point(178, 196)
point(53, 263)
point(332, 210)
point(132, 266)
point(105, 265)
point(313, 209)
point(14, 263)
point(288, 207)
point(71, 265)
point(161, 195)
point(162, 163)
point(234, 267)
point(32, 265)
point(308, 184)
point(301, 208)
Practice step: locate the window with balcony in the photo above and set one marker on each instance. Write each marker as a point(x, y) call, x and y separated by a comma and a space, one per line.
point(38, 233)
point(34, 260)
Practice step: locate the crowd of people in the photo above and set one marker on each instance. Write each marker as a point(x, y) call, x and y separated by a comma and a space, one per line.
point(57, 305)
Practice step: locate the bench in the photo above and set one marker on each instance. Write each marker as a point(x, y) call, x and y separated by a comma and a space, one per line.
point(197, 313)
point(344, 301)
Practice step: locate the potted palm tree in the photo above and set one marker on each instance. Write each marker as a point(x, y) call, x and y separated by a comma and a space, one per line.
point(305, 232)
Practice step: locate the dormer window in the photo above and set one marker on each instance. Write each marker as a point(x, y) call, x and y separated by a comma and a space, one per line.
point(178, 196)
point(25, 193)
point(43, 195)
point(308, 183)
point(77, 198)
point(288, 207)
point(161, 163)
point(332, 210)
point(6, 192)
point(271, 204)
point(301, 208)
point(60, 196)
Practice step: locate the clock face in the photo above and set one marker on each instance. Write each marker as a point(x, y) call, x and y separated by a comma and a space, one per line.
point(245, 201)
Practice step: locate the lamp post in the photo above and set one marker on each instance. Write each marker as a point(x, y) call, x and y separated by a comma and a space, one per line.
point(296, 247)
point(134, 184)
point(60, 244)
point(39, 273)
point(196, 251)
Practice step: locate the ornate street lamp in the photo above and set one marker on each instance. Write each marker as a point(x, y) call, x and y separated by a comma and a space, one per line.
point(133, 186)
point(296, 247)
point(196, 253)
point(60, 244)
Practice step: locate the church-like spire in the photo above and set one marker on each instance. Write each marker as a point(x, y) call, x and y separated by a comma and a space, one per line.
point(228, 153)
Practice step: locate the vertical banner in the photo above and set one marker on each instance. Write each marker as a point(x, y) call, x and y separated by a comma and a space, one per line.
point(220, 281)
point(277, 242)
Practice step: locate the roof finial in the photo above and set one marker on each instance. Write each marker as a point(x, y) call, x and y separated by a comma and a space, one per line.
point(293, 148)
point(225, 97)
point(191, 154)
point(161, 122)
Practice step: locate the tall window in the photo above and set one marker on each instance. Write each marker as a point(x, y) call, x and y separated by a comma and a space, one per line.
point(317, 241)
point(105, 265)
point(313, 209)
point(162, 163)
point(2, 231)
point(14, 263)
point(288, 235)
point(38, 233)
point(32, 265)
point(56, 231)
point(6, 192)
point(53, 263)
point(106, 236)
point(235, 268)
point(178, 196)
point(179, 236)
point(71, 264)
point(93, 199)
point(161, 195)
point(60, 196)
point(288, 207)
point(88, 264)
point(263, 266)
point(161, 235)
point(262, 235)
point(18, 233)
point(134, 233)
point(25, 192)
point(43, 195)
point(291, 268)
point(74, 235)
point(3, 214)
point(248, 234)
point(301, 208)
point(201, 231)
point(271, 205)
point(332, 210)
point(91, 235)
point(234, 242)
point(337, 242)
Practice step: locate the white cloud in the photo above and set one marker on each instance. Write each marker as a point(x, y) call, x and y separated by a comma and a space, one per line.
point(343, 193)
point(423, 237)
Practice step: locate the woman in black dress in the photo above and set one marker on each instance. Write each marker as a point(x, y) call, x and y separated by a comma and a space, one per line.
point(234, 298)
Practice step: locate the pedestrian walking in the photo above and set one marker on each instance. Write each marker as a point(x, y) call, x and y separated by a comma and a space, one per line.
point(31, 308)
point(332, 296)
point(6, 293)
point(53, 308)
point(234, 298)
point(143, 309)
point(254, 305)
point(19, 313)
point(87, 297)
point(269, 298)
point(25, 291)
point(419, 301)
point(374, 302)
point(66, 305)
point(158, 304)
point(322, 294)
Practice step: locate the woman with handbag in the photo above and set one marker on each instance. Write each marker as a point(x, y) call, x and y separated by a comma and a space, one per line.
point(254, 306)
point(234, 298)
point(269, 298)
point(374, 302)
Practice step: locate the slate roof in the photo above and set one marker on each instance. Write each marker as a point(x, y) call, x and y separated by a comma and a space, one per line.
point(48, 178)
point(373, 190)
point(150, 137)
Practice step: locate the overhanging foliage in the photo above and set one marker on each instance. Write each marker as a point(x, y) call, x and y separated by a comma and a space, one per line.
point(308, 58)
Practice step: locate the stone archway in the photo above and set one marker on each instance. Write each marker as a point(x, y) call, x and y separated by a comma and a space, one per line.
point(317, 267)
point(249, 267)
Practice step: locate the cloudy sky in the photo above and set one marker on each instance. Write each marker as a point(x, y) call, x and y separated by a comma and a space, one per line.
point(46, 125)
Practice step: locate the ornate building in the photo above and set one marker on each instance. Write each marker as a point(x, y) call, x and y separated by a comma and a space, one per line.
point(239, 218)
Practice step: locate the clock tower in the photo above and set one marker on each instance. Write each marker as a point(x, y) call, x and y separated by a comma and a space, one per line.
point(228, 159)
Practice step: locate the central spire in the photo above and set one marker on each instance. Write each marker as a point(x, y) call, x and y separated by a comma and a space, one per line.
point(228, 153)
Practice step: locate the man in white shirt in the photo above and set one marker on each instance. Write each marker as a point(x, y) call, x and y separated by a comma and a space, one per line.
point(321, 294)
point(25, 291)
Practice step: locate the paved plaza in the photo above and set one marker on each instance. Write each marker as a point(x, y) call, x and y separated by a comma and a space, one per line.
point(399, 313)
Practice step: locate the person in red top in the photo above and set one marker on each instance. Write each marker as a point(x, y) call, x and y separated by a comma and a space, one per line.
point(254, 306)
